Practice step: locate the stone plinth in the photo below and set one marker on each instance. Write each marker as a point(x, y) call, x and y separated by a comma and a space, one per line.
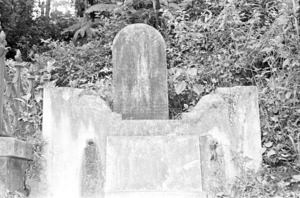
point(12, 147)
point(14, 157)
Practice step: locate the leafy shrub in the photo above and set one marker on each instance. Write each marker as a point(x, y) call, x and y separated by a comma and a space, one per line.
point(88, 65)
point(227, 49)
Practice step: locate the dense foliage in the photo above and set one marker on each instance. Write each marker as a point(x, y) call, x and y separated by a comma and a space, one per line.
point(16, 24)
point(210, 44)
point(25, 27)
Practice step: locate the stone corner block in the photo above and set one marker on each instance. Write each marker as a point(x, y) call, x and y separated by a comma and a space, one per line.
point(12, 147)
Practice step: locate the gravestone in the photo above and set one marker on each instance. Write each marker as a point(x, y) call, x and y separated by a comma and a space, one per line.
point(14, 154)
point(140, 73)
point(142, 153)
point(14, 157)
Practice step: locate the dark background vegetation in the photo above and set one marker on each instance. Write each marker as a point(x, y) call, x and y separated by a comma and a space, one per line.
point(210, 44)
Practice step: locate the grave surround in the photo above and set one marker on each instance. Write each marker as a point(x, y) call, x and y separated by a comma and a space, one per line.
point(221, 126)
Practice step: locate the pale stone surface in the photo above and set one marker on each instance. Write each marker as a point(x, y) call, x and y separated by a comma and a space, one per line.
point(211, 115)
point(230, 119)
point(12, 147)
point(91, 171)
point(153, 163)
point(70, 120)
point(140, 73)
point(245, 122)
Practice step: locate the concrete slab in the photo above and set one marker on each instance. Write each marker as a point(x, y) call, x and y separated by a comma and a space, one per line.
point(153, 163)
point(157, 194)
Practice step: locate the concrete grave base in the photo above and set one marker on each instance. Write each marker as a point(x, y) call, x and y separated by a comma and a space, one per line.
point(224, 124)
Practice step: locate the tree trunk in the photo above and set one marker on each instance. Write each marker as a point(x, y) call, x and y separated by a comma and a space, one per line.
point(48, 6)
point(156, 7)
point(2, 69)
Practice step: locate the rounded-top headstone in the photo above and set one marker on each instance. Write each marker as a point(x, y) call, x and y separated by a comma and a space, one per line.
point(140, 73)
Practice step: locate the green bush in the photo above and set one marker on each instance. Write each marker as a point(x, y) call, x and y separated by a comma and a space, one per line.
point(225, 49)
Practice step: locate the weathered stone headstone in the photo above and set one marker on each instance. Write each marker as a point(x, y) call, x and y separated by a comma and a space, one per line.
point(140, 73)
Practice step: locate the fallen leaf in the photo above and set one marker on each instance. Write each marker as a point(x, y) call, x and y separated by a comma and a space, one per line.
point(198, 89)
point(296, 178)
point(192, 71)
point(270, 153)
point(288, 95)
point(179, 87)
point(268, 144)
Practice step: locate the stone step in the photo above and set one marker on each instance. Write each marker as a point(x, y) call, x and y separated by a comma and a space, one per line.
point(156, 194)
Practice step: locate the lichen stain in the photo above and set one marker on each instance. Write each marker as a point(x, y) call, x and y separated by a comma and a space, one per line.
point(143, 78)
